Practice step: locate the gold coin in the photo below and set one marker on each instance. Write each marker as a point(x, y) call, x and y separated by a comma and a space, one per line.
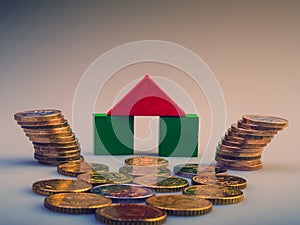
point(53, 140)
point(248, 136)
point(263, 133)
point(57, 148)
point(96, 178)
point(130, 214)
point(53, 186)
point(240, 140)
point(239, 153)
point(221, 180)
point(37, 115)
point(46, 127)
point(75, 203)
point(42, 123)
point(49, 135)
point(137, 171)
point(74, 169)
point(147, 161)
point(162, 183)
point(221, 147)
point(59, 130)
point(58, 162)
point(219, 195)
point(242, 145)
point(64, 144)
point(58, 154)
point(181, 205)
point(268, 121)
point(249, 126)
point(242, 163)
point(230, 166)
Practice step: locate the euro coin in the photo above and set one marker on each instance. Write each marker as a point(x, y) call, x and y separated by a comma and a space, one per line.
point(96, 178)
point(137, 171)
point(74, 169)
point(221, 180)
point(192, 169)
point(147, 161)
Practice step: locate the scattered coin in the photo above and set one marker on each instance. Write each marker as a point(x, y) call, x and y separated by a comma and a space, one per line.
point(221, 180)
point(218, 195)
point(137, 171)
point(130, 214)
point(75, 203)
point(96, 178)
point(192, 169)
point(162, 183)
point(181, 205)
point(147, 161)
point(53, 186)
point(74, 169)
point(126, 193)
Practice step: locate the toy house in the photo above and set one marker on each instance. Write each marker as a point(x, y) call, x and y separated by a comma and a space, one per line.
point(113, 132)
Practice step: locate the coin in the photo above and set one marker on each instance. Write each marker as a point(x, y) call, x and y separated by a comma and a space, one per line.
point(58, 144)
point(45, 127)
point(191, 169)
point(57, 154)
point(96, 178)
point(162, 183)
point(58, 162)
point(242, 145)
point(75, 203)
point(50, 130)
point(181, 205)
point(241, 140)
point(268, 121)
point(247, 158)
point(37, 115)
point(221, 147)
point(126, 193)
point(53, 140)
point(221, 180)
point(146, 161)
point(228, 164)
point(249, 126)
point(219, 195)
point(42, 123)
point(248, 136)
point(49, 135)
point(53, 186)
point(243, 131)
point(74, 169)
point(137, 171)
point(55, 149)
point(130, 214)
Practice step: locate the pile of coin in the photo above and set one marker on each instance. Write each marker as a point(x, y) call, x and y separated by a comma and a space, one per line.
point(242, 146)
point(51, 135)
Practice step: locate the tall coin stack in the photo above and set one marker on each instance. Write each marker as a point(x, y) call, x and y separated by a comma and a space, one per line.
point(51, 135)
point(241, 147)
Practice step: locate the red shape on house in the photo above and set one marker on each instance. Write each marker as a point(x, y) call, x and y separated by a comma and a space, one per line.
point(146, 98)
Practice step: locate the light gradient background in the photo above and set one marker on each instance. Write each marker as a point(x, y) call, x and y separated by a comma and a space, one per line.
point(252, 47)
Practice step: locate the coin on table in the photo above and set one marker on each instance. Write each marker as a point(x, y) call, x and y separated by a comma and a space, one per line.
point(53, 186)
point(268, 121)
point(221, 180)
point(218, 195)
point(37, 115)
point(74, 169)
point(189, 170)
point(181, 205)
point(75, 203)
point(96, 178)
point(146, 161)
point(137, 171)
point(249, 126)
point(162, 183)
point(126, 214)
point(126, 193)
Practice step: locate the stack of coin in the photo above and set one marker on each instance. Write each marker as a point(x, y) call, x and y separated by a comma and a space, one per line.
point(241, 147)
point(51, 135)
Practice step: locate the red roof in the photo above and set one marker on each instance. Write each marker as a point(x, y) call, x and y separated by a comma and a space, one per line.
point(146, 98)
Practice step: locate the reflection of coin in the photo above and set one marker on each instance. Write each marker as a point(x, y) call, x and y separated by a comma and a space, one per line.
point(216, 194)
point(126, 214)
point(146, 161)
point(53, 186)
point(191, 169)
point(181, 205)
point(137, 171)
point(37, 115)
point(97, 178)
point(124, 192)
point(268, 121)
point(221, 180)
point(75, 203)
point(74, 169)
point(162, 183)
